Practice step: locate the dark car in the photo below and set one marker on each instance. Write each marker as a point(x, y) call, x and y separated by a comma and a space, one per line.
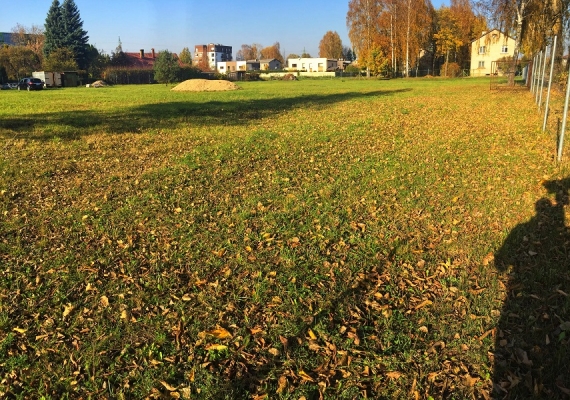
point(30, 84)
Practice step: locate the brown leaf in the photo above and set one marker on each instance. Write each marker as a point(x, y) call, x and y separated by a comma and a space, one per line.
point(104, 301)
point(469, 380)
point(393, 374)
point(423, 304)
point(282, 384)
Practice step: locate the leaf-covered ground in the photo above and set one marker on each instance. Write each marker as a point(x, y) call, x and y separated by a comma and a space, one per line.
point(318, 239)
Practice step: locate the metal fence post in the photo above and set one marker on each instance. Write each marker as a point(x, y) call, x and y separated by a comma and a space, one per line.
point(542, 79)
point(546, 106)
point(537, 77)
point(564, 118)
point(532, 74)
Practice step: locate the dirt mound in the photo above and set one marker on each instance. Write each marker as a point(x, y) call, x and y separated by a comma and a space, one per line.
point(204, 85)
point(99, 84)
point(289, 77)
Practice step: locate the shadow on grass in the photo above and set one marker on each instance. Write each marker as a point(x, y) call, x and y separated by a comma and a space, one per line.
point(532, 342)
point(74, 124)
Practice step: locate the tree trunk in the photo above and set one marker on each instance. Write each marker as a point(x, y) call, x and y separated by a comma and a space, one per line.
point(408, 40)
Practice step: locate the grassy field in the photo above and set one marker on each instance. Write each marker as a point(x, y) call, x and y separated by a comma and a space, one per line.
point(317, 239)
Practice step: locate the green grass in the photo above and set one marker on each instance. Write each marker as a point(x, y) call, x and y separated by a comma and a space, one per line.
point(341, 232)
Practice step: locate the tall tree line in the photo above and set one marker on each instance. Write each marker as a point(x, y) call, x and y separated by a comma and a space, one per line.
point(411, 34)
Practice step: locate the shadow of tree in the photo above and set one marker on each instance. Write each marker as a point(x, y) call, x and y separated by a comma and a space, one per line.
point(73, 124)
point(532, 342)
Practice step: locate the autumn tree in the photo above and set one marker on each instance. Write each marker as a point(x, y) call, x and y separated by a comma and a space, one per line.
point(331, 46)
point(60, 59)
point(362, 23)
point(18, 61)
point(32, 38)
point(185, 56)
point(293, 55)
point(273, 51)
point(447, 37)
point(249, 52)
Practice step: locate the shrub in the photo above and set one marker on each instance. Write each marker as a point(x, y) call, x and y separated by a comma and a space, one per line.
point(453, 70)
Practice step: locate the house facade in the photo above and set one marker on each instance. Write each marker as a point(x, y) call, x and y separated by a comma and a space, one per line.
point(491, 46)
point(269, 64)
point(312, 64)
point(211, 54)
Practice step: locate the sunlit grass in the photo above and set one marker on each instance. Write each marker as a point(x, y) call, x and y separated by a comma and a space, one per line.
point(339, 230)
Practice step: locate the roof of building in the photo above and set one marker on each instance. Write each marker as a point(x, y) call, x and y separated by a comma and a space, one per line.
point(146, 62)
point(489, 31)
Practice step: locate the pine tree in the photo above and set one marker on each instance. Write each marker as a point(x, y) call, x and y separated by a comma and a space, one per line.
point(64, 29)
point(53, 29)
point(75, 37)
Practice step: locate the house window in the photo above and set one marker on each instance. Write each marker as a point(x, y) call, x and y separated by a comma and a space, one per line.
point(482, 49)
point(293, 65)
point(221, 67)
point(481, 64)
point(505, 49)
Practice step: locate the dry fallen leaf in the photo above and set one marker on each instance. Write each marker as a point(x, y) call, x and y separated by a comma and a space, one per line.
point(19, 330)
point(104, 301)
point(216, 347)
point(312, 335)
point(218, 333)
point(167, 386)
point(305, 376)
point(393, 375)
point(282, 384)
point(67, 309)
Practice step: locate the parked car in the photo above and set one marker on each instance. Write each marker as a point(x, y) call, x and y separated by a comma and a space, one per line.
point(13, 85)
point(30, 84)
point(4, 86)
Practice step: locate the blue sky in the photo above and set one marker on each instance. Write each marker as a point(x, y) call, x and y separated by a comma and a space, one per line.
point(175, 24)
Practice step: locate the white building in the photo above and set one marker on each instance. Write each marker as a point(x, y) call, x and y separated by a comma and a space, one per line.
point(212, 54)
point(312, 64)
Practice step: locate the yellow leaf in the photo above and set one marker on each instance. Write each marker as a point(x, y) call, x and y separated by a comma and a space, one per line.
point(104, 301)
point(219, 333)
point(186, 297)
point(124, 314)
point(67, 309)
point(167, 386)
point(177, 210)
point(273, 351)
point(312, 335)
point(216, 347)
point(19, 330)
point(305, 376)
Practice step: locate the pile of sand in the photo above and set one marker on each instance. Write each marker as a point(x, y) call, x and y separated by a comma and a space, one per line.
point(204, 85)
point(99, 84)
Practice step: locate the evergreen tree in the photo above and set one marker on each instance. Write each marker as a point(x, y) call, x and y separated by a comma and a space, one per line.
point(53, 29)
point(64, 29)
point(75, 37)
point(166, 67)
